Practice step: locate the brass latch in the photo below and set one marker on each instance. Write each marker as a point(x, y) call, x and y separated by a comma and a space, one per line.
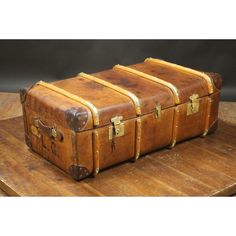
point(193, 105)
point(53, 132)
point(117, 128)
point(158, 111)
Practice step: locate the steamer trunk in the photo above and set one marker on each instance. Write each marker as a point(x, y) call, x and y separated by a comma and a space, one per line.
point(90, 122)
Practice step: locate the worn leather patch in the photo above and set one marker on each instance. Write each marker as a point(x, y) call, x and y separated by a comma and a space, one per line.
point(23, 95)
point(78, 172)
point(213, 127)
point(124, 81)
point(217, 79)
point(28, 141)
point(76, 118)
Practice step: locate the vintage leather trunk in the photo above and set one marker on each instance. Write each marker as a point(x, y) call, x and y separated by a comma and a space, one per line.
point(90, 122)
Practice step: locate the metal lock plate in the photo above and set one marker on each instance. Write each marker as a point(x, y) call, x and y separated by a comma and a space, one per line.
point(117, 128)
point(158, 111)
point(54, 132)
point(193, 105)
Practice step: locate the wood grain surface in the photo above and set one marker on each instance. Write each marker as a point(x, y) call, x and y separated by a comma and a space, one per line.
point(198, 167)
point(2, 193)
point(227, 112)
point(9, 105)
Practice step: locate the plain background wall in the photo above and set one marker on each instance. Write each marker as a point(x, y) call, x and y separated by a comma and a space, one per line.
point(24, 62)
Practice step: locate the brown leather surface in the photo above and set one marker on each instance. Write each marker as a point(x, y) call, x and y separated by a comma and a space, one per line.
point(145, 90)
point(108, 102)
point(156, 132)
point(214, 110)
point(62, 153)
point(217, 79)
point(53, 106)
point(74, 121)
point(185, 83)
point(192, 125)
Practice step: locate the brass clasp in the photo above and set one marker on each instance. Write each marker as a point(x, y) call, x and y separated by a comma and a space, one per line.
point(158, 111)
point(117, 127)
point(54, 132)
point(193, 105)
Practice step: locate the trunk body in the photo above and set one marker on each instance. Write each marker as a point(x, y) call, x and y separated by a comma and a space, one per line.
point(90, 122)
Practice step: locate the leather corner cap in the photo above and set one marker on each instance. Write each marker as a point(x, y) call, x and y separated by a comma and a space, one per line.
point(78, 172)
point(76, 118)
point(213, 127)
point(217, 79)
point(23, 93)
point(28, 141)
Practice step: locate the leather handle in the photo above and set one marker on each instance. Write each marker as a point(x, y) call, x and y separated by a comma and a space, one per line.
point(51, 132)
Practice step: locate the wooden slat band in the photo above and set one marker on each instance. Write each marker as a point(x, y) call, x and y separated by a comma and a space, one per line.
point(118, 89)
point(96, 167)
point(73, 97)
point(209, 103)
point(175, 126)
point(173, 89)
point(134, 99)
point(185, 69)
point(138, 138)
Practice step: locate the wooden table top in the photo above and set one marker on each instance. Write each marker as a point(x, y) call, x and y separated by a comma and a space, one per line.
point(2, 194)
point(198, 167)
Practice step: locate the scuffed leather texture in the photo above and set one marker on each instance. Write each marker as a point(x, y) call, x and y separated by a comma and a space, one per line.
point(78, 172)
point(185, 83)
point(76, 117)
point(75, 153)
point(141, 88)
point(217, 79)
point(192, 125)
point(108, 102)
point(23, 95)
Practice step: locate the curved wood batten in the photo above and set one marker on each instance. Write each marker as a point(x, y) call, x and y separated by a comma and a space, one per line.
point(73, 97)
point(118, 89)
point(184, 69)
point(155, 79)
point(209, 104)
point(138, 138)
point(96, 167)
point(136, 103)
point(175, 127)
